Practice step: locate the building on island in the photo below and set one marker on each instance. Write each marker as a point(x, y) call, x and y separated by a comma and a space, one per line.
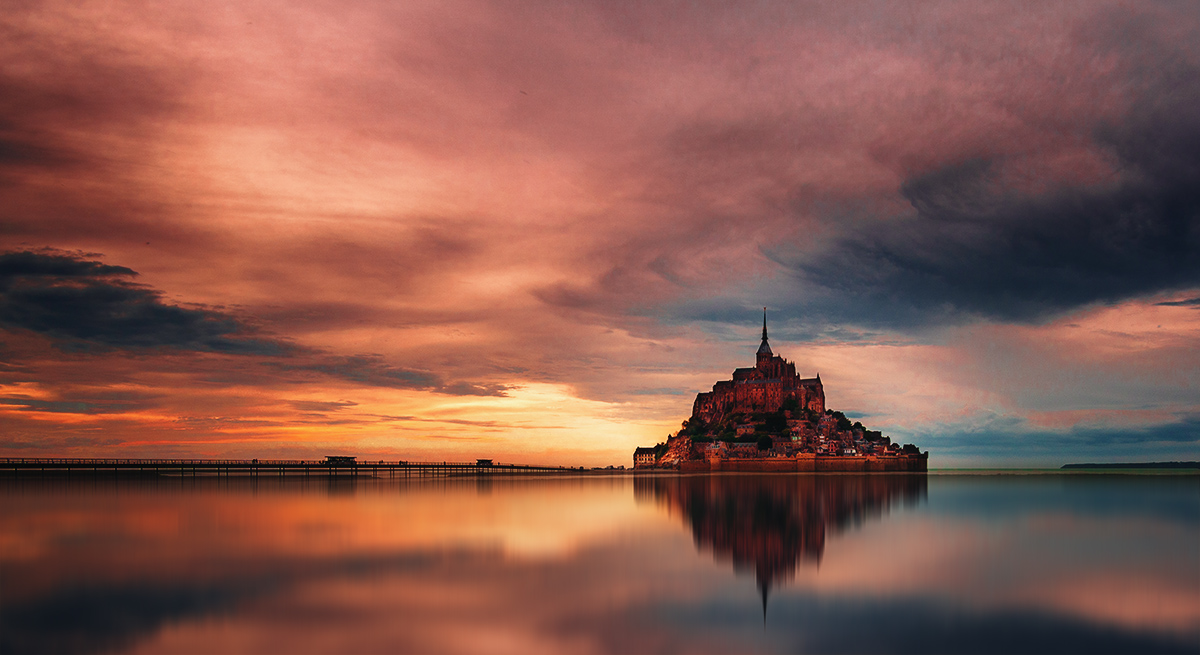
point(764, 388)
point(769, 419)
point(644, 457)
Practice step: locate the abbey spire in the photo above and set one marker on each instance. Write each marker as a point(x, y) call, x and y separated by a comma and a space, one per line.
point(766, 387)
point(764, 350)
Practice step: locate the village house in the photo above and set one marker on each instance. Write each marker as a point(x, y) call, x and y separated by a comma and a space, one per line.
point(644, 457)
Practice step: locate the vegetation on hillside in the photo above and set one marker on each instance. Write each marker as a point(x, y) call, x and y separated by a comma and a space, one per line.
point(764, 429)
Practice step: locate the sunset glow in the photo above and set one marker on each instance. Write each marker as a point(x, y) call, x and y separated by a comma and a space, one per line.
point(534, 232)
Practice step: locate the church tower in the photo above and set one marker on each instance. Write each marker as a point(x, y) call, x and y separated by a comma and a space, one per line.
point(764, 350)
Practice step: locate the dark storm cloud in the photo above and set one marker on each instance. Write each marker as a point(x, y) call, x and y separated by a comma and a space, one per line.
point(974, 249)
point(83, 304)
point(1184, 430)
point(56, 264)
point(1014, 439)
point(1189, 302)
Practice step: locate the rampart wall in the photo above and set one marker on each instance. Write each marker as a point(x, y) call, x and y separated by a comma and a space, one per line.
point(808, 463)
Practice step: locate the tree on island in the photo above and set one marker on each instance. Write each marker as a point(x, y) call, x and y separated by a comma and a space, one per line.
point(843, 423)
point(775, 423)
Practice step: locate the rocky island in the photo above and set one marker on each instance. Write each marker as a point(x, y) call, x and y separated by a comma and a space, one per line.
point(769, 419)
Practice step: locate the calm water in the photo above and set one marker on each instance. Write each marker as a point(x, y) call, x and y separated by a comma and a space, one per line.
point(733, 563)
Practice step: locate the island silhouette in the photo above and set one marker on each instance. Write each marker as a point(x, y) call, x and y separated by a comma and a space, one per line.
point(768, 419)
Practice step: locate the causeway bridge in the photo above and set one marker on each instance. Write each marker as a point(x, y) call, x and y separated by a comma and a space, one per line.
point(329, 467)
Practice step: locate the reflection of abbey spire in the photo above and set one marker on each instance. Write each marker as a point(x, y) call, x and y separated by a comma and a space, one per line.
point(769, 524)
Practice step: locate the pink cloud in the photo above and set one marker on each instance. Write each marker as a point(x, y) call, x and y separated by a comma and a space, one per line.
point(519, 197)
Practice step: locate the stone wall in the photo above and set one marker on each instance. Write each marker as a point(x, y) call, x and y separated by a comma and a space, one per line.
point(809, 463)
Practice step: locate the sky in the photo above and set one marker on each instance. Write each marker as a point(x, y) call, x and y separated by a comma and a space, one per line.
point(534, 231)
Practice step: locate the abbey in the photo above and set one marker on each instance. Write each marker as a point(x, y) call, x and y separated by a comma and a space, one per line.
point(765, 388)
point(768, 419)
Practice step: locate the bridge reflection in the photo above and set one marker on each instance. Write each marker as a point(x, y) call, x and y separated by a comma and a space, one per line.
point(770, 524)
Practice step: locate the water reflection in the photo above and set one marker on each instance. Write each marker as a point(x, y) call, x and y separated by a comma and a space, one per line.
point(770, 524)
point(1042, 563)
point(103, 565)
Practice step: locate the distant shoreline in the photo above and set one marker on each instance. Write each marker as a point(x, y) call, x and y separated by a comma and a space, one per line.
point(1136, 465)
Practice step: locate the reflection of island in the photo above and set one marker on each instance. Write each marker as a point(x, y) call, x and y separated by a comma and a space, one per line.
point(770, 523)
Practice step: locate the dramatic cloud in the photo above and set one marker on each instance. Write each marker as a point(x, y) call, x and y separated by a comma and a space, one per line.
point(976, 248)
point(84, 304)
point(563, 215)
point(1189, 302)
